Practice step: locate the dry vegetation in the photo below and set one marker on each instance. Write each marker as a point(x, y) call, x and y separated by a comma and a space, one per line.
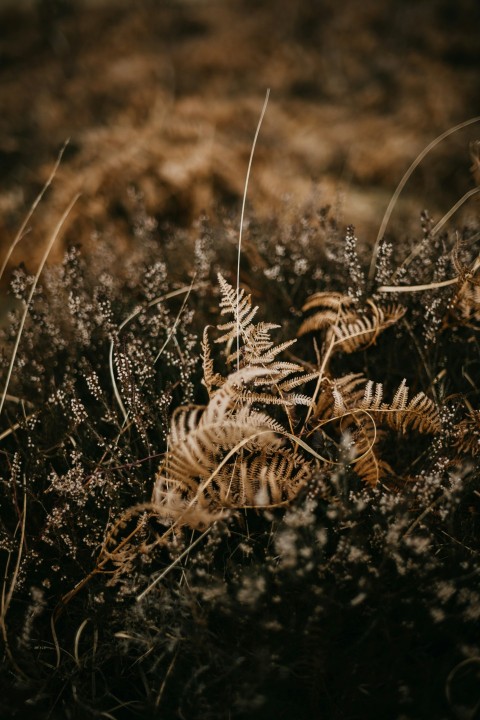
point(240, 502)
point(161, 100)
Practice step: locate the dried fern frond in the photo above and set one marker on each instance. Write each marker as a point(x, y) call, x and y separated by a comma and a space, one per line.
point(253, 356)
point(199, 435)
point(333, 308)
point(257, 346)
point(292, 383)
point(466, 304)
point(229, 452)
point(467, 434)
point(349, 386)
point(258, 342)
point(419, 414)
point(240, 306)
point(369, 467)
point(211, 379)
point(257, 351)
point(263, 480)
point(206, 442)
point(288, 400)
point(253, 480)
point(343, 397)
point(240, 383)
point(347, 328)
point(362, 330)
point(333, 300)
point(175, 507)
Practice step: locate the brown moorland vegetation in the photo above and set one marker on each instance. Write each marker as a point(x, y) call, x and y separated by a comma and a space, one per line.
point(240, 485)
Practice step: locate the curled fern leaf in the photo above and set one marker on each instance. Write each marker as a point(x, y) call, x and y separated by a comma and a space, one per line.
point(370, 466)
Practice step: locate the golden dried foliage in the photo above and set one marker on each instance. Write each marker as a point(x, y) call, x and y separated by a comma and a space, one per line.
point(228, 453)
point(232, 453)
point(467, 434)
point(348, 328)
point(466, 304)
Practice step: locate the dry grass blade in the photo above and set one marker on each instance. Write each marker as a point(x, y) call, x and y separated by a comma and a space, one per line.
point(7, 595)
point(31, 294)
point(403, 182)
point(21, 233)
point(244, 201)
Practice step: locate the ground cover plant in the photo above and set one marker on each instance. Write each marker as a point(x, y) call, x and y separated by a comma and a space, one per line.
point(244, 503)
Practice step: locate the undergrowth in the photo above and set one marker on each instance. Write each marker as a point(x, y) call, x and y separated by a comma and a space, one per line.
point(253, 504)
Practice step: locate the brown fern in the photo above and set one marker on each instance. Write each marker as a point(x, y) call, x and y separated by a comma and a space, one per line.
point(229, 454)
point(350, 387)
point(333, 308)
point(419, 414)
point(250, 478)
point(263, 480)
point(350, 404)
point(467, 434)
point(370, 466)
point(466, 304)
point(348, 329)
point(362, 330)
point(256, 350)
point(211, 379)
point(215, 455)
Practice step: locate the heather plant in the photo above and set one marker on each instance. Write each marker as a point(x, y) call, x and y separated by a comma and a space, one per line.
point(244, 502)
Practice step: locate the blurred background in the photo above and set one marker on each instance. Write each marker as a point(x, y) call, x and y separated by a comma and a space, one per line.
point(160, 100)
